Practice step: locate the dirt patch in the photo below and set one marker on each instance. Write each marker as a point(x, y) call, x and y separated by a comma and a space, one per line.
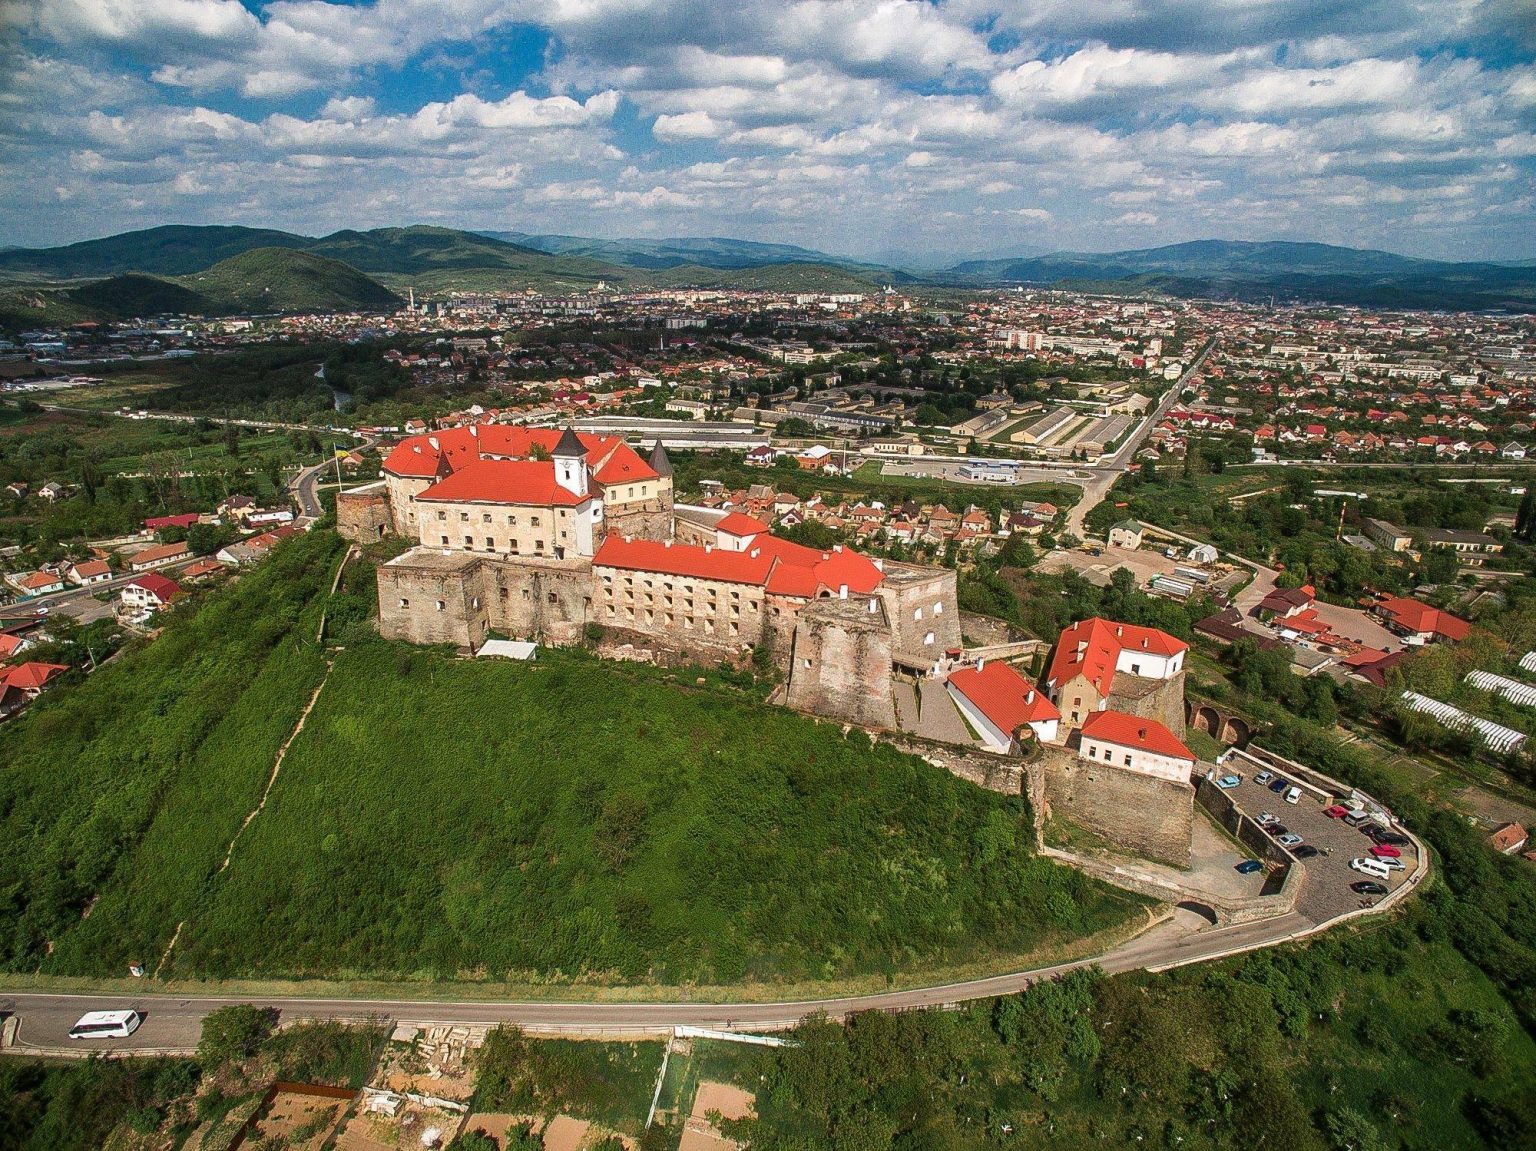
point(1493, 809)
point(408, 1128)
point(699, 1134)
point(299, 1122)
point(565, 1133)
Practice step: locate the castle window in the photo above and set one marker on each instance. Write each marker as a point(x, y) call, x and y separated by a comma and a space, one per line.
point(474, 602)
point(490, 543)
point(441, 606)
point(928, 638)
point(938, 608)
point(917, 613)
point(464, 517)
point(538, 545)
point(807, 661)
point(527, 594)
point(535, 520)
point(404, 602)
point(1127, 761)
point(506, 593)
point(735, 628)
point(553, 598)
point(445, 541)
point(485, 518)
point(1135, 669)
point(511, 521)
point(469, 542)
point(442, 515)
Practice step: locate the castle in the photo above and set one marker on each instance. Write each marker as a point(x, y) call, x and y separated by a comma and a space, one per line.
point(552, 535)
point(566, 538)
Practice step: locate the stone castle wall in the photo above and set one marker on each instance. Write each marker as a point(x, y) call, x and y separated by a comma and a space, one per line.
point(439, 602)
point(1135, 812)
point(549, 601)
point(363, 515)
point(1163, 702)
point(840, 663)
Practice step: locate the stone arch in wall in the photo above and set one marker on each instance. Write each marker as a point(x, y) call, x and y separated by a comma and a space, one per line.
point(1235, 731)
point(1207, 719)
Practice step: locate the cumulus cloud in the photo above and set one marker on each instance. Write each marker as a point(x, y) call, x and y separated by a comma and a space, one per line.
point(845, 123)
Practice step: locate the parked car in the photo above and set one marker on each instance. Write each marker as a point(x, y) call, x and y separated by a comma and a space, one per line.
point(1293, 795)
point(1279, 786)
point(1337, 811)
point(1278, 829)
point(1392, 864)
point(1305, 851)
point(1263, 778)
point(1368, 887)
point(1382, 835)
point(1229, 781)
point(1289, 839)
point(106, 1025)
point(1356, 818)
point(1375, 868)
point(1386, 851)
point(1266, 818)
point(1249, 866)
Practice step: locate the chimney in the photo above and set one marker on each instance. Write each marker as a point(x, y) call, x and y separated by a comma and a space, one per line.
point(981, 662)
point(708, 548)
point(666, 543)
point(1029, 696)
point(1119, 630)
point(754, 553)
point(842, 591)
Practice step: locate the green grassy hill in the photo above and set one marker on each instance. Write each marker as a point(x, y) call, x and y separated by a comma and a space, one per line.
point(486, 820)
point(281, 280)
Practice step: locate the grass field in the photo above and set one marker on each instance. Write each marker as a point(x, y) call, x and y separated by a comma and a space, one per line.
point(576, 820)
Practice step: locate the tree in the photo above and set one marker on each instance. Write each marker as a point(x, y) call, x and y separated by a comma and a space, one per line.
point(234, 1033)
point(232, 441)
point(204, 539)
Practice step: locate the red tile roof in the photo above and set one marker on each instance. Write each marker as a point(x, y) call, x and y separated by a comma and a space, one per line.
point(155, 523)
point(520, 482)
point(32, 676)
point(157, 553)
point(737, 524)
point(436, 454)
point(778, 566)
point(1418, 617)
point(1133, 731)
point(1090, 648)
point(161, 587)
point(1003, 695)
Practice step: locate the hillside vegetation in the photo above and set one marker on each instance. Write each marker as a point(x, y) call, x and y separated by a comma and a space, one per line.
point(118, 795)
point(279, 279)
point(578, 818)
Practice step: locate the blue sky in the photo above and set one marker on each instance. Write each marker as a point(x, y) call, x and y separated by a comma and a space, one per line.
point(873, 128)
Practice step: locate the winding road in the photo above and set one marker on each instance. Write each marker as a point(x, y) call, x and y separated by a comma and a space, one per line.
point(173, 1022)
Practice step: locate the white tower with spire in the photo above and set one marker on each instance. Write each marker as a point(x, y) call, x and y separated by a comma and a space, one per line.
point(571, 471)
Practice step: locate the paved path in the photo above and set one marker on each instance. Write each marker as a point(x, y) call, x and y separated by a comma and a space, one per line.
point(940, 719)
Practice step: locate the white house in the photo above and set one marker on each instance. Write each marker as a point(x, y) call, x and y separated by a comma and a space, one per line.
point(88, 572)
point(998, 702)
point(1135, 744)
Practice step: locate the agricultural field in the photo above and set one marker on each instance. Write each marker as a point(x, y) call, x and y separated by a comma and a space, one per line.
point(578, 820)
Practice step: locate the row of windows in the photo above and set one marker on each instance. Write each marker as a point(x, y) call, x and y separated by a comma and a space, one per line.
point(1109, 754)
point(490, 544)
point(485, 518)
point(667, 619)
point(938, 609)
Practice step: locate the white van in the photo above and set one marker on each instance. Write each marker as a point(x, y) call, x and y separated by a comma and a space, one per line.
point(106, 1025)
point(1293, 795)
point(1374, 868)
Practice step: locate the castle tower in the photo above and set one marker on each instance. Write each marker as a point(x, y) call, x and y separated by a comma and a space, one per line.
point(663, 468)
point(570, 458)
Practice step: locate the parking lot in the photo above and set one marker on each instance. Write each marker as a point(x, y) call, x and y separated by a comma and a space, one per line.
point(1326, 893)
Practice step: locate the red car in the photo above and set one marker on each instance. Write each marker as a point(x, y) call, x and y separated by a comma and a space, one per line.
point(1337, 811)
point(1386, 851)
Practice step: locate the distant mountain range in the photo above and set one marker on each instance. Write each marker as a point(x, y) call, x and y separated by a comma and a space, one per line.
point(1256, 271)
point(222, 269)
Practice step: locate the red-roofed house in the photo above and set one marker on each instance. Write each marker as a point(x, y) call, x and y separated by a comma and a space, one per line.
point(35, 583)
point(157, 523)
point(736, 531)
point(13, 645)
point(88, 572)
point(1508, 838)
point(998, 701)
point(1091, 653)
point(158, 556)
point(1136, 744)
point(149, 592)
point(1418, 623)
point(32, 678)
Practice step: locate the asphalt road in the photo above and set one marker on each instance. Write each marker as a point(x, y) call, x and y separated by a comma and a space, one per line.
point(173, 1023)
point(1106, 472)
